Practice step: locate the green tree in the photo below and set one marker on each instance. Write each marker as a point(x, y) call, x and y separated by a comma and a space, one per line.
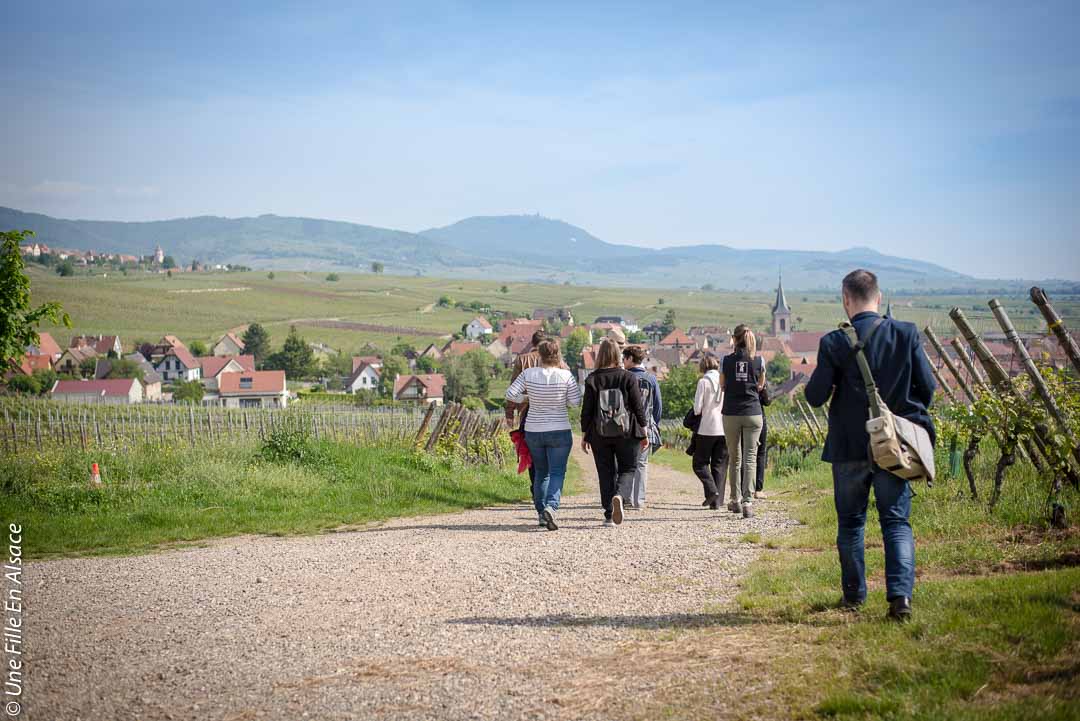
point(678, 390)
point(392, 368)
point(402, 348)
point(377, 267)
point(188, 392)
point(256, 342)
point(482, 364)
point(778, 369)
point(460, 378)
point(446, 301)
point(295, 357)
point(333, 277)
point(427, 364)
point(66, 269)
point(87, 367)
point(337, 365)
point(168, 263)
point(45, 379)
point(668, 323)
point(637, 337)
point(573, 347)
point(197, 348)
point(504, 290)
point(270, 275)
point(124, 368)
point(25, 385)
point(17, 318)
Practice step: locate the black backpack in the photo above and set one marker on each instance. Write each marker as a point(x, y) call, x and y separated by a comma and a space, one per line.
point(612, 418)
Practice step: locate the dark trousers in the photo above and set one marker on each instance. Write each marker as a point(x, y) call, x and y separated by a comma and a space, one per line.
point(616, 463)
point(762, 455)
point(710, 464)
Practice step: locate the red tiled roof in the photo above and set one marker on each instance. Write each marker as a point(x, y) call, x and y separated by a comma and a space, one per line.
point(212, 365)
point(806, 341)
point(46, 345)
point(81, 354)
point(251, 382)
point(184, 355)
point(360, 369)
point(433, 382)
point(101, 344)
point(482, 321)
point(520, 344)
point(361, 360)
point(460, 347)
point(107, 387)
point(29, 363)
point(172, 341)
point(677, 337)
point(520, 327)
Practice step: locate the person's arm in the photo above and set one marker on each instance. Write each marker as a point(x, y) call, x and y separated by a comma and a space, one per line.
point(699, 396)
point(573, 392)
point(637, 406)
point(658, 404)
point(922, 376)
point(511, 406)
point(588, 409)
point(516, 392)
point(823, 379)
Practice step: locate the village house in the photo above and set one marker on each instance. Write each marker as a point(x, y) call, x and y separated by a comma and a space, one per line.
point(160, 349)
point(459, 348)
point(432, 352)
point(670, 357)
point(27, 364)
point(478, 328)
point(46, 346)
point(500, 352)
point(560, 315)
point(365, 377)
point(212, 367)
point(253, 389)
point(72, 358)
point(102, 344)
point(115, 391)
point(371, 360)
point(420, 388)
point(178, 365)
point(678, 340)
point(228, 344)
point(518, 328)
point(151, 379)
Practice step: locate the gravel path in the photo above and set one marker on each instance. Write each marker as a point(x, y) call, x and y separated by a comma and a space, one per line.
point(473, 615)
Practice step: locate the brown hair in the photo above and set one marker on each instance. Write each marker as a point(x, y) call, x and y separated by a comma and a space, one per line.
point(550, 353)
point(861, 285)
point(635, 353)
point(744, 338)
point(538, 337)
point(708, 363)
point(608, 355)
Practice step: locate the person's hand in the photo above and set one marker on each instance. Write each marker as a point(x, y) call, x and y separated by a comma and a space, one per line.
point(584, 445)
point(644, 443)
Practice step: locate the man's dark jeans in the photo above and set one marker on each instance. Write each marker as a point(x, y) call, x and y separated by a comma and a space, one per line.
point(616, 463)
point(852, 482)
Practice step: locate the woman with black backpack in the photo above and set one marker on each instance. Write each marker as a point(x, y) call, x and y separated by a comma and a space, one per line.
point(613, 424)
point(743, 383)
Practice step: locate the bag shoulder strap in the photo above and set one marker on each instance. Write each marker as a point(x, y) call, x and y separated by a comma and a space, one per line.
point(857, 347)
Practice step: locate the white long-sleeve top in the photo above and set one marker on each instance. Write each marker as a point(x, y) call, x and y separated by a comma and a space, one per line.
point(550, 392)
point(708, 401)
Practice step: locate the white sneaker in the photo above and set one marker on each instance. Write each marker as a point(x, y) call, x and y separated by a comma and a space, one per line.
point(616, 510)
point(609, 522)
point(549, 520)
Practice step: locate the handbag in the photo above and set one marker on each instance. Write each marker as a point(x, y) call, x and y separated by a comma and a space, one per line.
point(897, 445)
point(691, 421)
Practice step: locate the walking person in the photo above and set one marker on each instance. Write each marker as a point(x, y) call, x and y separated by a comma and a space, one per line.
point(633, 357)
point(614, 425)
point(742, 383)
point(893, 350)
point(549, 391)
point(765, 396)
point(710, 459)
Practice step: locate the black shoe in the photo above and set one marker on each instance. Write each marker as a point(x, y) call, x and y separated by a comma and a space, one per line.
point(712, 502)
point(846, 604)
point(707, 501)
point(900, 608)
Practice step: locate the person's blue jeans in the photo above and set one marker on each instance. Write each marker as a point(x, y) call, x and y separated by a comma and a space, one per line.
point(550, 451)
point(852, 482)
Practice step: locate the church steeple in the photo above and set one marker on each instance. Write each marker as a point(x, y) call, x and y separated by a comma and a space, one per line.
point(781, 312)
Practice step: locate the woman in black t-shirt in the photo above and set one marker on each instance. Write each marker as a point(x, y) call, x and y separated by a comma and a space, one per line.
point(742, 384)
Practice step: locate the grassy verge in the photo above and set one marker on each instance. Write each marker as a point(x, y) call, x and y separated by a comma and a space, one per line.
point(996, 633)
point(155, 496)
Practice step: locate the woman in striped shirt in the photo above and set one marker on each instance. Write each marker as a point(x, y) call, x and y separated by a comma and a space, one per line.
point(550, 390)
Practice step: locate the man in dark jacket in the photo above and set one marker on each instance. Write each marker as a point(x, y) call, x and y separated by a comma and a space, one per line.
point(905, 380)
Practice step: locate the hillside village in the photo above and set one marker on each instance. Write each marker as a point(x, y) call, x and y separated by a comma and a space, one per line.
point(465, 367)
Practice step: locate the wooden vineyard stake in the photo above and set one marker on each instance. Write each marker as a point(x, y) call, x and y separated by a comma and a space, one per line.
point(424, 424)
point(940, 381)
point(1057, 326)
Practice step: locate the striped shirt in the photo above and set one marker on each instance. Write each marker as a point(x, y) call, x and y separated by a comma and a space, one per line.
point(550, 392)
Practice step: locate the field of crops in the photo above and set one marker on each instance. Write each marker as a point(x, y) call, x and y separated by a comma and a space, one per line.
point(367, 308)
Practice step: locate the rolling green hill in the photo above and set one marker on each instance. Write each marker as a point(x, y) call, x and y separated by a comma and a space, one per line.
point(519, 247)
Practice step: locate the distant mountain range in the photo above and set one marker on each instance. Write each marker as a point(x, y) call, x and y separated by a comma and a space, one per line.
point(511, 247)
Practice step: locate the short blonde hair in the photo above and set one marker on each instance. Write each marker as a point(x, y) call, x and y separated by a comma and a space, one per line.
point(608, 355)
point(708, 363)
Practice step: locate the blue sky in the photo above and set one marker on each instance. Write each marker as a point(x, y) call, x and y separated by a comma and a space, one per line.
point(948, 132)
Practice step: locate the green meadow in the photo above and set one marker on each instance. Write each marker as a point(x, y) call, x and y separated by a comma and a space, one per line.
point(203, 306)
